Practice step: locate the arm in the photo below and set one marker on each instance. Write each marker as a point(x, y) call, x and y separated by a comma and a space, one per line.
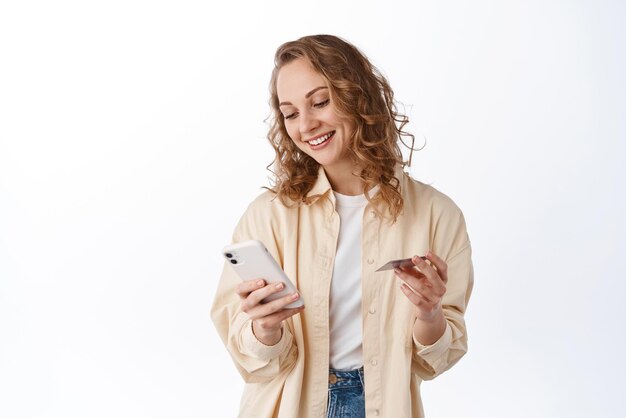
point(262, 353)
point(440, 291)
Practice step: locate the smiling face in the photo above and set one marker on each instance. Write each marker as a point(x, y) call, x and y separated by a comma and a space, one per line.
point(310, 117)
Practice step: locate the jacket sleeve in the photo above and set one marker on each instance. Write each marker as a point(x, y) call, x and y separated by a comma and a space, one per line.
point(450, 242)
point(255, 361)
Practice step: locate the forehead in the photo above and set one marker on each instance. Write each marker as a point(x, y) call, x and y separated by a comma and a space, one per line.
point(296, 79)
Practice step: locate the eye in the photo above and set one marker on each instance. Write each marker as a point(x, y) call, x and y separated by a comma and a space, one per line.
point(322, 104)
point(290, 116)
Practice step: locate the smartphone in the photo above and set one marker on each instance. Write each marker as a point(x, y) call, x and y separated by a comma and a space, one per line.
point(252, 261)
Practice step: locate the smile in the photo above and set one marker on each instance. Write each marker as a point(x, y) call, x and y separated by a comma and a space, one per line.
point(321, 139)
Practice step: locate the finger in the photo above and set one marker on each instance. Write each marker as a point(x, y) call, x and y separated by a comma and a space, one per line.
point(412, 276)
point(422, 288)
point(261, 310)
point(415, 297)
point(411, 270)
point(418, 280)
point(274, 320)
point(431, 274)
point(285, 313)
point(442, 266)
point(258, 295)
point(248, 286)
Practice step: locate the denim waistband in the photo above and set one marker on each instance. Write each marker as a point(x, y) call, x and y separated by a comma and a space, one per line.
point(345, 378)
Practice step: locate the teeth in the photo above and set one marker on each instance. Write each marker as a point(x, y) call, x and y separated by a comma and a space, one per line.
point(321, 139)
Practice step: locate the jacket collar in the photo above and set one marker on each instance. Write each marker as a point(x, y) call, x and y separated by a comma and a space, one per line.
point(322, 186)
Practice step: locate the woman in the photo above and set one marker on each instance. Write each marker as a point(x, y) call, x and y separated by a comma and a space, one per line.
point(341, 207)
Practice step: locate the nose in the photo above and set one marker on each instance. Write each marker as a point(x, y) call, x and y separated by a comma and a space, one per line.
point(308, 122)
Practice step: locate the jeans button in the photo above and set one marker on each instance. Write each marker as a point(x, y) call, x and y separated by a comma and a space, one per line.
point(332, 378)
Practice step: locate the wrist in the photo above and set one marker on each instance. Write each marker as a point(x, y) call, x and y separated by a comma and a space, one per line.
point(433, 317)
point(427, 330)
point(268, 338)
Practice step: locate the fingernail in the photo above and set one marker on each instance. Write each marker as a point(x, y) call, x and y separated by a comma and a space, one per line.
point(295, 296)
point(259, 283)
point(429, 254)
point(279, 285)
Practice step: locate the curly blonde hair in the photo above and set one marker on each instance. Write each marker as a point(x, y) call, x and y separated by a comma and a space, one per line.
point(360, 93)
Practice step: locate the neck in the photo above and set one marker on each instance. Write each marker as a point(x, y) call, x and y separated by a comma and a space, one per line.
point(343, 181)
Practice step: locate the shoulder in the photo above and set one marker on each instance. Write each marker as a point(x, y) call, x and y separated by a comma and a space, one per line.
point(263, 201)
point(267, 219)
point(266, 213)
point(421, 196)
point(267, 204)
point(445, 221)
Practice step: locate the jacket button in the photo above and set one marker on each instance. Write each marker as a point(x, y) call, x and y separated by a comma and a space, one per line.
point(370, 261)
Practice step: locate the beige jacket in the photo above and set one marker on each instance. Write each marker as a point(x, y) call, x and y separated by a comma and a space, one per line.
point(290, 379)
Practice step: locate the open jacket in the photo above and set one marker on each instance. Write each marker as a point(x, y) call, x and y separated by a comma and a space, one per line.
point(290, 379)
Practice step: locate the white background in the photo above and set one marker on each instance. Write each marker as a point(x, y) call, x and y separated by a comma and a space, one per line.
point(132, 139)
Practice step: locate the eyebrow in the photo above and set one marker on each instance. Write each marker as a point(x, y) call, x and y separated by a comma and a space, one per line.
point(309, 94)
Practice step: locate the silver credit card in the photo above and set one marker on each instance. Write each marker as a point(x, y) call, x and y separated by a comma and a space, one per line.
point(403, 262)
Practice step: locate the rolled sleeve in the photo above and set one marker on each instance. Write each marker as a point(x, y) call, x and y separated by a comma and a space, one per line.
point(435, 355)
point(251, 346)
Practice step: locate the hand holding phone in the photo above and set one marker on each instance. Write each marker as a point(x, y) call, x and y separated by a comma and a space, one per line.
point(252, 261)
point(267, 295)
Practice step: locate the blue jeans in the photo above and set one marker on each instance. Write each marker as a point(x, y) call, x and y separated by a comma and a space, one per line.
point(345, 394)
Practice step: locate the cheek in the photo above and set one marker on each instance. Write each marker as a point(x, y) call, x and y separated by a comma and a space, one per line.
point(348, 130)
point(294, 135)
point(291, 131)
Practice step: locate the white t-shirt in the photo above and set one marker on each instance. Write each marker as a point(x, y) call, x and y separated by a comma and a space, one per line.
point(346, 334)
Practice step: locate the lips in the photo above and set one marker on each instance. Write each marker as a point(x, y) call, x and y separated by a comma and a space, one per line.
point(320, 139)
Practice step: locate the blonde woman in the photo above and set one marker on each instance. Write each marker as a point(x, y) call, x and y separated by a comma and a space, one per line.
point(340, 207)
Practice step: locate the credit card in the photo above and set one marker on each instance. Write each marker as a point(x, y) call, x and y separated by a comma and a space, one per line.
point(403, 262)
